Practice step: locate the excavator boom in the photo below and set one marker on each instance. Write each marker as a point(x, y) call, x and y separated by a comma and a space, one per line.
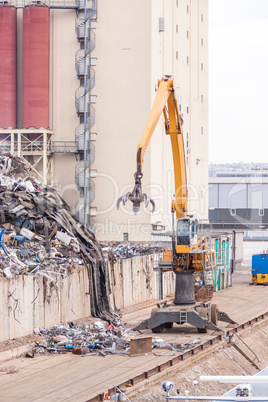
point(165, 102)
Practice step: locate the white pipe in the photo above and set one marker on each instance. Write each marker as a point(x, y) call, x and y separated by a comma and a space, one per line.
point(235, 379)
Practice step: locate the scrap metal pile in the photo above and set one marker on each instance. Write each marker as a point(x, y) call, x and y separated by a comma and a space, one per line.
point(39, 234)
point(95, 339)
point(129, 250)
point(82, 339)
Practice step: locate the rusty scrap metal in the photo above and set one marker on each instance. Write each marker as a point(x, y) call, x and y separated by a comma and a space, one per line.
point(141, 345)
point(32, 214)
point(129, 250)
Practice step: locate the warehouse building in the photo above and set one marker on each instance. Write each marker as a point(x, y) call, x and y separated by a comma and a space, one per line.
point(240, 200)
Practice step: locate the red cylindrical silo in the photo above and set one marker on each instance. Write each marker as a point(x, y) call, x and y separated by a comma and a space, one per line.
point(35, 67)
point(8, 23)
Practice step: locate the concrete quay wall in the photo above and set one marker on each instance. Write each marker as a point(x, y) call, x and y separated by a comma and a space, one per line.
point(33, 301)
point(136, 281)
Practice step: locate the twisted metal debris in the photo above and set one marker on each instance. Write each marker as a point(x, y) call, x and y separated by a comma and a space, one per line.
point(92, 338)
point(95, 339)
point(26, 206)
point(129, 250)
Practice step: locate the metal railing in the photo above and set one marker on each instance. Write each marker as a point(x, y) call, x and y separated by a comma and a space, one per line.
point(25, 146)
point(47, 3)
point(81, 130)
point(28, 146)
point(63, 147)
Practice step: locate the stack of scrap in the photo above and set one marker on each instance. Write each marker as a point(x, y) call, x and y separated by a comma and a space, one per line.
point(177, 347)
point(82, 339)
point(40, 235)
point(95, 339)
point(130, 250)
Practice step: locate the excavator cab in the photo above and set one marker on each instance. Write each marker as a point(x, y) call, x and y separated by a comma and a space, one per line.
point(187, 231)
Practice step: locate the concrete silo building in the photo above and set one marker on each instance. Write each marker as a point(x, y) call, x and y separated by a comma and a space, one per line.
point(77, 81)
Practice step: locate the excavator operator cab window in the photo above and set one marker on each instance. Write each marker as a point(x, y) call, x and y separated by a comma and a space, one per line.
point(183, 231)
point(193, 231)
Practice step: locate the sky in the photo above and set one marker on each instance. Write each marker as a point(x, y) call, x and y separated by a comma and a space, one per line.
point(238, 81)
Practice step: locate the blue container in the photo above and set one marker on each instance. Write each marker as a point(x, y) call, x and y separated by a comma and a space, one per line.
point(260, 269)
point(260, 264)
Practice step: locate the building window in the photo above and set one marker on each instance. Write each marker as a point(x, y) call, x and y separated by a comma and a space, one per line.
point(93, 173)
point(202, 67)
point(187, 109)
point(187, 34)
point(177, 55)
point(202, 98)
point(93, 24)
point(232, 212)
point(187, 9)
point(93, 211)
point(93, 61)
point(177, 3)
point(161, 24)
point(187, 140)
point(125, 236)
point(187, 60)
point(202, 18)
point(202, 130)
point(177, 28)
point(261, 212)
point(202, 42)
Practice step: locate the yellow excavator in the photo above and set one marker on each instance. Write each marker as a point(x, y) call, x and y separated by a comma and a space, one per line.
point(189, 253)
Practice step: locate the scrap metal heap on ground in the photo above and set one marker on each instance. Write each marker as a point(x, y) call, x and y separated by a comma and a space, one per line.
point(40, 235)
point(129, 250)
point(95, 339)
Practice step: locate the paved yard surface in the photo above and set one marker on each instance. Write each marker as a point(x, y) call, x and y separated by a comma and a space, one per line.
point(74, 378)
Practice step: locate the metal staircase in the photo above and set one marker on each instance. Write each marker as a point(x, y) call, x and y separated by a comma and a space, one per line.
point(86, 13)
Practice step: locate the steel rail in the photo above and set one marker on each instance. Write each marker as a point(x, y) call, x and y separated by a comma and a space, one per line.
point(182, 356)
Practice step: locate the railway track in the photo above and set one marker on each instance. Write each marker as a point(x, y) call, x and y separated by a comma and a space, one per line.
point(145, 375)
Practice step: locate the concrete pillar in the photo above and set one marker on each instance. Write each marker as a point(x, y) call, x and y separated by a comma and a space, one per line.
point(12, 145)
point(45, 158)
point(19, 144)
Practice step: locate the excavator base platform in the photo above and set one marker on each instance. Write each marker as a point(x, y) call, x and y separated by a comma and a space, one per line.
point(203, 316)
